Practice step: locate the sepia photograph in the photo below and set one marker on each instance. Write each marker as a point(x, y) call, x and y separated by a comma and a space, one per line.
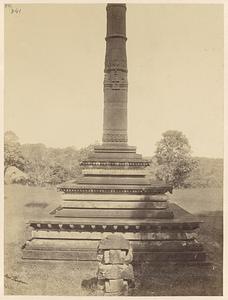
point(113, 149)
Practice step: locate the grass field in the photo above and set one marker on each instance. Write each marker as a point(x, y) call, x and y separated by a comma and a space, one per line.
point(64, 278)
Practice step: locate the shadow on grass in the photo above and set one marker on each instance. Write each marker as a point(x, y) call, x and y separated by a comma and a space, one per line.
point(39, 205)
point(187, 280)
point(90, 286)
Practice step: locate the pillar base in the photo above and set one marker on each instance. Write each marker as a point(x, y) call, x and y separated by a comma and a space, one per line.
point(152, 240)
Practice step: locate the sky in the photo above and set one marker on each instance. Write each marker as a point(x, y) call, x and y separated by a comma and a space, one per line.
point(54, 69)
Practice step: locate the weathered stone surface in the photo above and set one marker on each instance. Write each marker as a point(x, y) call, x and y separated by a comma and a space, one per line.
point(100, 284)
point(28, 235)
point(109, 271)
point(106, 257)
point(14, 175)
point(84, 235)
point(129, 257)
point(100, 256)
point(115, 213)
point(111, 171)
point(127, 272)
point(82, 255)
point(176, 246)
point(114, 148)
point(113, 268)
point(62, 244)
point(99, 293)
point(150, 189)
point(113, 197)
point(112, 286)
point(117, 256)
point(116, 287)
point(114, 242)
point(125, 289)
point(118, 180)
point(115, 271)
point(115, 204)
point(88, 255)
point(183, 256)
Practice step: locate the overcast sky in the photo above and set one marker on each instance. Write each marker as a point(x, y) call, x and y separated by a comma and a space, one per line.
point(54, 62)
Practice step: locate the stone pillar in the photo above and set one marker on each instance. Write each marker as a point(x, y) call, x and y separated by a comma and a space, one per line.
point(115, 272)
point(115, 79)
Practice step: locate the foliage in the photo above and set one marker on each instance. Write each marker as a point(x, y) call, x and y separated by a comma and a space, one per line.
point(43, 165)
point(50, 166)
point(172, 162)
point(12, 152)
point(209, 173)
point(174, 159)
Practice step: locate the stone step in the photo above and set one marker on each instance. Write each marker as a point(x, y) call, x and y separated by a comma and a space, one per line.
point(62, 244)
point(152, 189)
point(114, 197)
point(120, 181)
point(136, 236)
point(114, 148)
point(115, 163)
point(86, 255)
point(115, 204)
point(182, 221)
point(114, 155)
point(119, 225)
point(148, 246)
point(114, 213)
point(114, 172)
point(169, 256)
point(145, 246)
point(89, 255)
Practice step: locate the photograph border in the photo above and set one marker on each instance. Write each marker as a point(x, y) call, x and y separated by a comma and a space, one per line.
point(225, 188)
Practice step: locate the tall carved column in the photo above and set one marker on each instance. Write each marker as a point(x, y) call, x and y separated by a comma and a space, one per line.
point(115, 80)
point(114, 196)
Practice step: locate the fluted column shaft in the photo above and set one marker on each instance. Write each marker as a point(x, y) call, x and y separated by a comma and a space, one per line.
point(115, 80)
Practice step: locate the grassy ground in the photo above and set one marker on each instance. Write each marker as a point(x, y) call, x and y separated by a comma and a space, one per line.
point(64, 278)
point(188, 280)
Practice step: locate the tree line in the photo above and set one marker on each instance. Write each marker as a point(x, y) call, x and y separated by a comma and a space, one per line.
point(172, 162)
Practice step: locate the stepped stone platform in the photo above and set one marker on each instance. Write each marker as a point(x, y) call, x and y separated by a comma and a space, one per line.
point(157, 230)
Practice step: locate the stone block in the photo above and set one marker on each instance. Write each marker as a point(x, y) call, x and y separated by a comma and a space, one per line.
point(66, 212)
point(100, 293)
point(114, 242)
point(79, 204)
point(106, 257)
point(115, 271)
point(112, 286)
point(131, 283)
point(113, 294)
point(113, 197)
point(117, 180)
point(100, 256)
point(125, 290)
point(109, 271)
point(129, 257)
point(117, 256)
point(127, 272)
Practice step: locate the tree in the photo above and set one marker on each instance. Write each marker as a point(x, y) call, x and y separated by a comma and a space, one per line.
point(12, 152)
point(173, 154)
point(51, 166)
